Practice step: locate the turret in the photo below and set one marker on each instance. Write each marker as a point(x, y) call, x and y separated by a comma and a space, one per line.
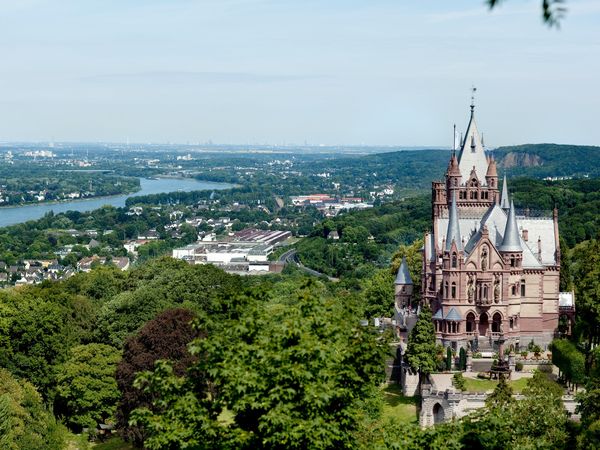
point(504, 203)
point(491, 177)
point(403, 286)
point(453, 175)
point(511, 242)
point(453, 234)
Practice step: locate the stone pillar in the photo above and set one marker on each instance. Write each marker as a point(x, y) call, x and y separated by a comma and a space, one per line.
point(469, 361)
point(511, 361)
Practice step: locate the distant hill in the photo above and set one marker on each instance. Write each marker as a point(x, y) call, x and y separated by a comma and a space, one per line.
point(416, 169)
point(549, 160)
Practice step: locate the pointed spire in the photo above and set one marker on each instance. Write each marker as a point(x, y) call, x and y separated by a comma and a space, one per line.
point(511, 241)
point(453, 167)
point(453, 233)
point(403, 276)
point(492, 171)
point(504, 203)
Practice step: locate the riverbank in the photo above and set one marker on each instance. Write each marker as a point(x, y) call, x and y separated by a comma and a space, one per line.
point(12, 215)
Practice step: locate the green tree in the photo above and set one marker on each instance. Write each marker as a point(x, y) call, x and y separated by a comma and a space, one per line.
point(25, 423)
point(448, 358)
point(378, 294)
point(421, 349)
point(502, 395)
point(586, 277)
point(462, 357)
point(292, 373)
point(86, 387)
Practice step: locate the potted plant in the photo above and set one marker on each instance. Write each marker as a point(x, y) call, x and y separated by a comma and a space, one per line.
point(524, 354)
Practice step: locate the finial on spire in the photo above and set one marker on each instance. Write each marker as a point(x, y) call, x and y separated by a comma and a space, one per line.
point(454, 141)
point(473, 90)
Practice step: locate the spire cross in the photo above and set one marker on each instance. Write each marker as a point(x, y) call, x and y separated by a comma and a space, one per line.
point(473, 90)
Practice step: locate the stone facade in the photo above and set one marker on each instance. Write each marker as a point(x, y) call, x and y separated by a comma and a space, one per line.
point(444, 406)
point(488, 270)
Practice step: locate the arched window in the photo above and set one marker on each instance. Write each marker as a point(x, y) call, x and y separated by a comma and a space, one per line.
point(454, 261)
point(512, 261)
point(453, 289)
point(470, 322)
point(496, 323)
point(446, 289)
point(514, 291)
point(522, 288)
point(485, 292)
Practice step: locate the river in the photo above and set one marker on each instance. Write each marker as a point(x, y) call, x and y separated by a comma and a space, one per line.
point(11, 215)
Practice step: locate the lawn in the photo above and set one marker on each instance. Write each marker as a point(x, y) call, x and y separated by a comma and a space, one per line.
point(81, 442)
point(396, 405)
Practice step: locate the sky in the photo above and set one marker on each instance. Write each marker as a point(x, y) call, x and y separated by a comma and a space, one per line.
point(333, 72)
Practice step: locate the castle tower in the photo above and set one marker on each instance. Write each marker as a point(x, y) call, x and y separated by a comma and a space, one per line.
point(485, 275)
point(403, 286)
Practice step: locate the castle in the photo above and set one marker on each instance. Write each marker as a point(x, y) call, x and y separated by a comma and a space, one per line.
point(489, 271)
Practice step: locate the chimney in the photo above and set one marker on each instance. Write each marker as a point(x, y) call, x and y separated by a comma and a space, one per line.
point(539, 255)
point(525, 235)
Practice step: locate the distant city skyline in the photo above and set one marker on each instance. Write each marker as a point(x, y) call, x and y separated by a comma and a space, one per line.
point(343, 72)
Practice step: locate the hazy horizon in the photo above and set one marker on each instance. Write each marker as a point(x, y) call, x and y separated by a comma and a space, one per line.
point(266, 72)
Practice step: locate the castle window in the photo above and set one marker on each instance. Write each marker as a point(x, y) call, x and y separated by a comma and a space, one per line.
point(522, 288)
point(454, 261)
point(485, 292)
point(514, 291)
point(512, 261)
point(511, 323)
point(446, 289)
point(453, 290)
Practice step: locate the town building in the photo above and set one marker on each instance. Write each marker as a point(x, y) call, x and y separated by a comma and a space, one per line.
point(489, 270)
point(246, 252)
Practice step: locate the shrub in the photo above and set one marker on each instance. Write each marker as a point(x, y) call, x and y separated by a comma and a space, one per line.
point(519, 366)
point(448, 358)
point(524, 354)
point(459, 381)
point(545, 368)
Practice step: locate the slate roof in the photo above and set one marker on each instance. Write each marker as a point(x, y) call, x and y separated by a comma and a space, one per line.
point(472, 154)
point(403, 276)
point(453, 233)
point(511, 241)
point(453, 315)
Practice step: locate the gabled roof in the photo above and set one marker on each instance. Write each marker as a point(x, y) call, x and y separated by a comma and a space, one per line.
point(472, 154)
point(439, 315)
point(453, 233)
point(403, 276)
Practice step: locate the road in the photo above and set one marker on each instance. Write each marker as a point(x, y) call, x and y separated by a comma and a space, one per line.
point(291, 257)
